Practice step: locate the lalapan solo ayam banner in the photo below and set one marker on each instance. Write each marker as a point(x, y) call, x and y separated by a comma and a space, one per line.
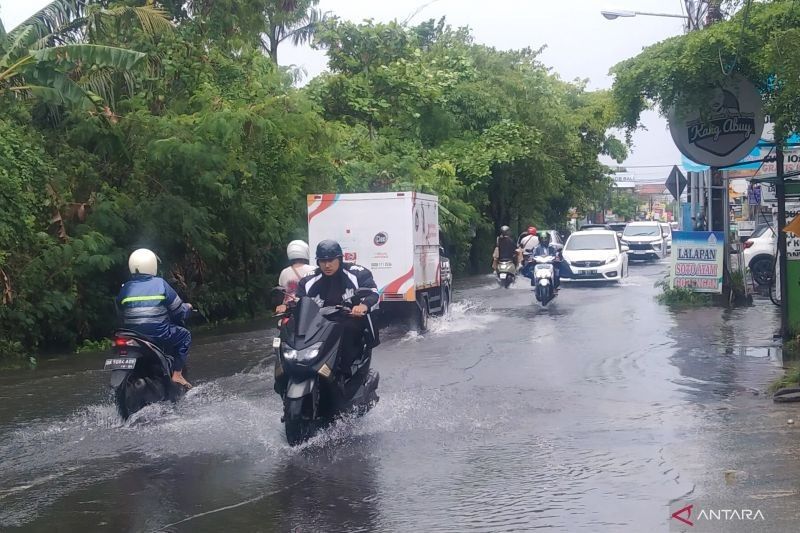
point(697, 261)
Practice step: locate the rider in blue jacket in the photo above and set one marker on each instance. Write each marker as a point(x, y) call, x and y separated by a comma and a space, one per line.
point(149, 306)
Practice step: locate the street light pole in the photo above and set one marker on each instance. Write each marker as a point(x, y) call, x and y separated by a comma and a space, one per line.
point(611, 15)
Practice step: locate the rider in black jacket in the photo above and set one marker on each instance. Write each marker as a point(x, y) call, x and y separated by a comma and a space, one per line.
point(334, 283)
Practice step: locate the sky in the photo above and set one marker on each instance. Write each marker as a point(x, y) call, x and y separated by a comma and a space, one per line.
point(579, 42)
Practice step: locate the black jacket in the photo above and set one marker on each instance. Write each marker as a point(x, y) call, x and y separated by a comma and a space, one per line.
point(506, 249)
point(333, 290)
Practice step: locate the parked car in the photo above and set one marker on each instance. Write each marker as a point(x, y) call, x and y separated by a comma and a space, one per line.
point(646, 240)
point(619, 227)
point(555, 238)
point(759, 254)
point(594, 255)
point(592, 227)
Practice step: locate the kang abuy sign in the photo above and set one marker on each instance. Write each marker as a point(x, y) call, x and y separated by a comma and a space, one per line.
point(697, 261)
point(723, 130)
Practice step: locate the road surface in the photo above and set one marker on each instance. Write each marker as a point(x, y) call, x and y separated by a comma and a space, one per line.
point(604, 412)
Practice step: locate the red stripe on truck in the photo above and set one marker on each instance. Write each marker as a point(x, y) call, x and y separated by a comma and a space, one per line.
point(394, 286)
point(327, 201)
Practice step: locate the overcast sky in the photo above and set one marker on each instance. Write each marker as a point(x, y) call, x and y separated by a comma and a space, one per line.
point(580, 43)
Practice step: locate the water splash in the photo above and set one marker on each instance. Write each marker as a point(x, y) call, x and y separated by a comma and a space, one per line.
point(465, 315)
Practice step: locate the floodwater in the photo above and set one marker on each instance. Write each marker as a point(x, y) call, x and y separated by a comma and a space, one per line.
point(603, 412)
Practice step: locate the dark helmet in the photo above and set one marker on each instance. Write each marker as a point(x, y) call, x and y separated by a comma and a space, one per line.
point(505, 231)
point(329, 249)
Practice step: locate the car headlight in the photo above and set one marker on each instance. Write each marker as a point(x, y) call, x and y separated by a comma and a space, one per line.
point(305, 355)
point(656, 244)
point(611, 259)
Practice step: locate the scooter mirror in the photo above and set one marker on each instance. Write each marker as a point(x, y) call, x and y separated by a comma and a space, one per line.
point(276, 296)
point(360, 294)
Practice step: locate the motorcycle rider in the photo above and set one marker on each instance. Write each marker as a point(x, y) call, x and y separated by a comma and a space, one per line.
point(335, 282)
point(506, 249)
point(529, 242)
point(546, 249)
point(298, 255)
point(151, 307)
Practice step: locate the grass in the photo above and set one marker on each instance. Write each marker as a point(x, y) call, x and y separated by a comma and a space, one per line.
point(790, 378)
point(681, 297)
point(94, 346)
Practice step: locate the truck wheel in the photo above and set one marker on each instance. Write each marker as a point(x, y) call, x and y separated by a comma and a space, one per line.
point(445, 300)
point(421, 317)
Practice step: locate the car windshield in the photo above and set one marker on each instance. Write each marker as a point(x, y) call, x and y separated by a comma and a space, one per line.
point(760, 232)
point(642, 231)
point(592, 242)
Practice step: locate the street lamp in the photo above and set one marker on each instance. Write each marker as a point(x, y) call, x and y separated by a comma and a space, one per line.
point(611, 15)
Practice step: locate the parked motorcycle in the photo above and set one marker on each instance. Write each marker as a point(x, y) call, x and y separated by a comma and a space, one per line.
point(506, 273)
point(308, 374)
point(141, 373)
point(544, 275)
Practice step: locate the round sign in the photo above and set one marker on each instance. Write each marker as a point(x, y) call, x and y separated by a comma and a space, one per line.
point(381, 238)
point(726, 130)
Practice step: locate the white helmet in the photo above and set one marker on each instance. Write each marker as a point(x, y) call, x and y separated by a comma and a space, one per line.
point(143, 261)
point(298, 250)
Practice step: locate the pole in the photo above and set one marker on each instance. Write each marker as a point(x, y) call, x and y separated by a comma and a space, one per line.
point(726, 227)
point(709, 199)
point(780, 192)
point(677, 202)
point(693, 199)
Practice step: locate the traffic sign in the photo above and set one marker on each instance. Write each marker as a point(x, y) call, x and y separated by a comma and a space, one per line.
point(676, 182)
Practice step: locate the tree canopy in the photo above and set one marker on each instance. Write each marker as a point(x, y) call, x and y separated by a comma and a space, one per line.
point(759, 41)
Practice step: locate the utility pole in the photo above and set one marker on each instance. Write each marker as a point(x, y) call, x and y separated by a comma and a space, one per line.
point(780, 193)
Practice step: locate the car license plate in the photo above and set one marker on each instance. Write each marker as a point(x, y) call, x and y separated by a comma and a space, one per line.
point(638, 252)
point(590, 272)
point(125, 363)
point(503, 275)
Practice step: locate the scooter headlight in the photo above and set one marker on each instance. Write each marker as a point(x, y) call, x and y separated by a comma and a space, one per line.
point(306, 355)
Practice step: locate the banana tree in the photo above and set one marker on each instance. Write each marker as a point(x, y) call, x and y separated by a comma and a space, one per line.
point(51, 56)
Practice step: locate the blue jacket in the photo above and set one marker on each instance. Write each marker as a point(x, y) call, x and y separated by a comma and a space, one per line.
point(149, 305)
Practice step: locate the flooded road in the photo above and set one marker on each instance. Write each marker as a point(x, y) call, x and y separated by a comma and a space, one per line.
point(602, 412)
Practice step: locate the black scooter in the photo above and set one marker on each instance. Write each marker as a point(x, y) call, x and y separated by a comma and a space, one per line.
point(141, 373)
point(308, 375)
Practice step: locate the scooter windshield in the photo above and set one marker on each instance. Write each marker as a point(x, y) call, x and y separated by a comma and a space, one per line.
point(307, 318)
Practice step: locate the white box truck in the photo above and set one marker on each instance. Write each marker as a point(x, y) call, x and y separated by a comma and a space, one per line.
point(396, 236)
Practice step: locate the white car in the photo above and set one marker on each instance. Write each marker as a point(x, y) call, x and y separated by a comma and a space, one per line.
point(646, 240)
point(594, 255)
point(759, 254)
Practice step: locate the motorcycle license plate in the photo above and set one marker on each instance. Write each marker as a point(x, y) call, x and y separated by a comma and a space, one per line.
point(276, 342)
point(503, 275)
point(123, 363)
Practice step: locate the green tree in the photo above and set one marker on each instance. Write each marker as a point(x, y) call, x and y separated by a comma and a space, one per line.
point(760, 42)
point(296, 21)
point(50, 55)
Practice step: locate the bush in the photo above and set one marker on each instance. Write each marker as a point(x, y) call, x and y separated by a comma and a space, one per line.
point(681, 297)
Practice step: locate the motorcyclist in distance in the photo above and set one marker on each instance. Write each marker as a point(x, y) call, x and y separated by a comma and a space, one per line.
point(506, 249)
point(298, 254)
point(547, 249)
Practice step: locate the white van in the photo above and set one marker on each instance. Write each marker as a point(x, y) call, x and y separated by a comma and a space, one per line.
point(396, 236)
point(646, 240)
